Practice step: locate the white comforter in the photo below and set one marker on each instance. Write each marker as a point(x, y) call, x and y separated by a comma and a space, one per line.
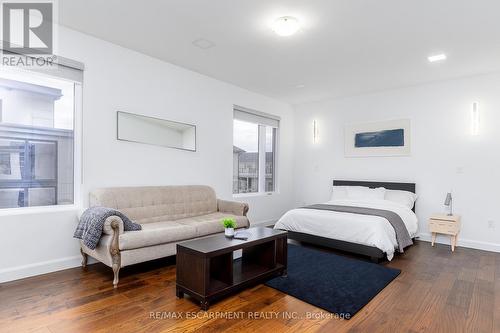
point(355, 228)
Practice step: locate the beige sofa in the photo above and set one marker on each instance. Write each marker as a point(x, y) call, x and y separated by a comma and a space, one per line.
point(167, 214)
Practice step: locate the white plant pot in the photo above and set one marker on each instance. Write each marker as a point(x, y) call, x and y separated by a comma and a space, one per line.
point(229, 232)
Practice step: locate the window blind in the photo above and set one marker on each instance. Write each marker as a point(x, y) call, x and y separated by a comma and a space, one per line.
point(66, 68)
point(256, 117)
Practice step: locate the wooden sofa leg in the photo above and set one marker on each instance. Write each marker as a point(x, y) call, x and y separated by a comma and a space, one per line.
point(115, 253)
point(116, 271)
point(84, 258)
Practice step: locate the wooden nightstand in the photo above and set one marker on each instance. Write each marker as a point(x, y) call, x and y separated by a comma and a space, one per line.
point(445, 224)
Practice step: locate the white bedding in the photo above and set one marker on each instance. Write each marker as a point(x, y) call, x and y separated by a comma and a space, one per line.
point(355, 228)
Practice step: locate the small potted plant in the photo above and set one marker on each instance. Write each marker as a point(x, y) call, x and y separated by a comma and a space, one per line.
point(229, 224)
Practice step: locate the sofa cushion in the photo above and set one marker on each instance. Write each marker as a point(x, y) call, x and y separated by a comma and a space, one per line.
point(211, 223)
point(155, 233)
point(150, 203)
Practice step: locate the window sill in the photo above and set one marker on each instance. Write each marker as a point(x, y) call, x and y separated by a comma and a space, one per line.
point(38, 210)
point(254, 194)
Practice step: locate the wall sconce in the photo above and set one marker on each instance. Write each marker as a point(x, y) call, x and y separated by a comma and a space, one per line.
point(315, 131)
point(475, 119)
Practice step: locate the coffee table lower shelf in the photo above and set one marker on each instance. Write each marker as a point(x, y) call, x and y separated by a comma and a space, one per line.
point(209, 276)
point(218, 289)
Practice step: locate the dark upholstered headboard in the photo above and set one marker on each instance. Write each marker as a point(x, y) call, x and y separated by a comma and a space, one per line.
point(410, 187)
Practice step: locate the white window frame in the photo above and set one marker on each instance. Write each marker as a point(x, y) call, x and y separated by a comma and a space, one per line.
point(266, 120)
point(72, 71)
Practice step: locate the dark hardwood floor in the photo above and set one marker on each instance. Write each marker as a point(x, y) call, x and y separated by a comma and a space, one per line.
point(437, 291)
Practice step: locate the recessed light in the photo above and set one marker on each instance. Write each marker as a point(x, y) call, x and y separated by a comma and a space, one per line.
point(300, 86)
point(203, 43)
point(286, 26)
point(437, 57)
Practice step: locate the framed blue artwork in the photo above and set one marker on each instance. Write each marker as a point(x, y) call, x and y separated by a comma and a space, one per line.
point(384, 138)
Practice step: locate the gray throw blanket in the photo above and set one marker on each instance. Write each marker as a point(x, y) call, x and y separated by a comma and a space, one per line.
point(402, 236)
point(89, 229)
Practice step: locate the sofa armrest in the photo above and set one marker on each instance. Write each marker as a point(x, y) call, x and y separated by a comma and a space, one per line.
point(108, 225)
point(232, 207)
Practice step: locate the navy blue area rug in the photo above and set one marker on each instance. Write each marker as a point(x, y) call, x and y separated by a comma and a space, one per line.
point(334, 283)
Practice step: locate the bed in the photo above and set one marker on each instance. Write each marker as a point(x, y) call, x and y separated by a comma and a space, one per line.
point(366, 235)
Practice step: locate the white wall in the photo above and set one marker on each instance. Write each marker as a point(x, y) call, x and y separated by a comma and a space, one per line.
point(444, 155)
point(119, 79)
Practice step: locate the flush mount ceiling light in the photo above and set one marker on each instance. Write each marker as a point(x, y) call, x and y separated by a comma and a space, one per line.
point(286, 26)
point(203, 43)
point(437, 57)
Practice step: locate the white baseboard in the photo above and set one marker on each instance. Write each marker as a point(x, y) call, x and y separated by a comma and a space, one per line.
point(49, 266)
point(479, 245)
point(44, 267)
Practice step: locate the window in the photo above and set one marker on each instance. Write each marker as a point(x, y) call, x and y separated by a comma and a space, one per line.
point(37, 138)
point(254, 151)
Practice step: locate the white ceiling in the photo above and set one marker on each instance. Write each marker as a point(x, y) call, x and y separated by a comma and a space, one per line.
point(346, 47)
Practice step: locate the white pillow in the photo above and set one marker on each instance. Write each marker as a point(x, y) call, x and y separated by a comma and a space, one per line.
point(365, 193)
point(339, 193)
point(404, 198)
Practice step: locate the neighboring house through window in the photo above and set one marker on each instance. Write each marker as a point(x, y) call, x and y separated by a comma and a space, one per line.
point(255, 137)
point(37, 141)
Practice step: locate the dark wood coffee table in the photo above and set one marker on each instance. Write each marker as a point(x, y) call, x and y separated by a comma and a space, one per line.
point(207, 271)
